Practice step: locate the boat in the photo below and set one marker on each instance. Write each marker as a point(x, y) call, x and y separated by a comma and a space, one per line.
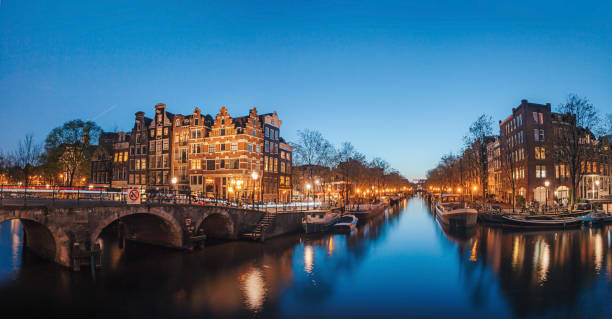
point(540, 222)
point(596, 217)
point(394, 200)
point(319, 221)
point(346, 223)
point(367, 211)
point(453, 212)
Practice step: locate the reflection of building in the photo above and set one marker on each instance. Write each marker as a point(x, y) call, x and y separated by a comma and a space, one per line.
point(542, 272)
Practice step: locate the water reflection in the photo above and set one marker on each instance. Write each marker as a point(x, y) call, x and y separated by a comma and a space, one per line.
point(402, 264)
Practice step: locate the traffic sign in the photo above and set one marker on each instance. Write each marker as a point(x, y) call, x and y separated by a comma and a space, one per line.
point(133, 197)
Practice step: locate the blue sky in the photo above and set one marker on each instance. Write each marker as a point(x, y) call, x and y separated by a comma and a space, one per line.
point(401, 80)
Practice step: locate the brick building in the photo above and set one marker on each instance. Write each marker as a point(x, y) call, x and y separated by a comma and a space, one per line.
point(523, 136)
point(235, 158)
point(139, 150)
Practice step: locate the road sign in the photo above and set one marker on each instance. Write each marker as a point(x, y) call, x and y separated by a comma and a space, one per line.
point(133, 197)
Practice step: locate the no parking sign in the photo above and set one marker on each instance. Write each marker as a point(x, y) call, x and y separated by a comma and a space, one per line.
point(133, 196)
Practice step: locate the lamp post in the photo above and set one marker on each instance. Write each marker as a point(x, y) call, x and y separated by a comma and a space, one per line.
point(596, 183)
point(174, 188)
point(254, 176)
point(547, 183)
point(474, 188)
point(308, 186)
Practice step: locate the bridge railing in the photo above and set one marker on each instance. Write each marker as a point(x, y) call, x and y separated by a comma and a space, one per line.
point(18, 195)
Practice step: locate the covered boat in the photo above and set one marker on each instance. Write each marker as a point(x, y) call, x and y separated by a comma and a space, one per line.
point(454, 213)
point(540, 222)
point(346, 223)
point(596, 217)
point(319, 221)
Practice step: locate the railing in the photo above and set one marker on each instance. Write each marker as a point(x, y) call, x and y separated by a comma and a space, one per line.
point(17, 195)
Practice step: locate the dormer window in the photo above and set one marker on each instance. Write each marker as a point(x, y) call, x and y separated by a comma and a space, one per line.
point(222, 121)
point(197, 121)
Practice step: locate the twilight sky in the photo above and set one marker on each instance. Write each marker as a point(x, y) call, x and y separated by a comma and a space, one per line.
point(399, 80)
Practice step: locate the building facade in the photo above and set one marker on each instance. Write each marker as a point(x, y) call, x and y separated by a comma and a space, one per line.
point(233, 158)
point(525, 138)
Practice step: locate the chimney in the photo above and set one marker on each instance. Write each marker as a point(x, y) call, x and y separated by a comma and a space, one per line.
point(139, 115)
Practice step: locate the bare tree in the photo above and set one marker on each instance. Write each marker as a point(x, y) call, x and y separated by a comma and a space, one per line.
point(508, 167)
point(27, 157)
point(573, 144)
point(479, 134)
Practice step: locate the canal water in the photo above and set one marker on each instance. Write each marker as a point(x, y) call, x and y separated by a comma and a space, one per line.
point(402, 265)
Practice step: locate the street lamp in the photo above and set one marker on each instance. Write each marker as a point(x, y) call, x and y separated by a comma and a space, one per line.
point(474, 188)
point(546, 183)
point(308, 186)
point(174, 188)
point(254, 176)
point(596, 183)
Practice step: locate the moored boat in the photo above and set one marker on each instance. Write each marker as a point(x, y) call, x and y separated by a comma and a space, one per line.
point(367, 211)
point(540, 222)
point(596, 217)
point(319, 221)
point(454, 213)
point(346, 223)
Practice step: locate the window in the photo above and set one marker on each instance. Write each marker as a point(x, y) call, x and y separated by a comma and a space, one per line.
point(258, 149)
point(166, 145)
point(178, 123)
point(222, 163)
point(159, 131)
point(234, 147)
point(538, 118)
point(165, 131)
point(540, 171)
point(222, 132)
point(254, 132)
point(250, 147)
point(234, 164)
point(540, 153)
point(196, 164)
point(137, 162)
point(265, 163)
point(197, 121)
point(210, 165)
point(266, 147)
point(275, 165)
point(538, 135)
point(152, 133)
point(158, 146)
point(223, 146)
point(211, 148)
point(267, 132)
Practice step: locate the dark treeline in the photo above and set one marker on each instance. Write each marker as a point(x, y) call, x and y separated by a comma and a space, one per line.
point(317, 160)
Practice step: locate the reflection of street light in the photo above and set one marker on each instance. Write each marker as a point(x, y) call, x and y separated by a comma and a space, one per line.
point(546, 183)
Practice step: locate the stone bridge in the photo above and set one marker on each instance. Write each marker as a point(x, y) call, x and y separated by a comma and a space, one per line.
point(52, 231)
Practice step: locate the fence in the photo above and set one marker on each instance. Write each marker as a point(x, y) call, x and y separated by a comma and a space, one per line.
point(33, 195)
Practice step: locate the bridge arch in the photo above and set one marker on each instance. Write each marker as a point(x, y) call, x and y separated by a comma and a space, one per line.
point(154, 227)
point(217, 225)
point(44, 240)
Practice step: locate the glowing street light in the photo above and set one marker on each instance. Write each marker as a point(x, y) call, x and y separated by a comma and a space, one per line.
point(546, 183)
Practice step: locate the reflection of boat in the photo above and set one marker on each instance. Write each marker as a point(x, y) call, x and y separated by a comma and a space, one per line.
point(453, 213)
point(596, 217)
point(346, 223)
point(319, 221)
point(367, 211)
point(459, 235)
point(491, 218)
point(541, 222)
